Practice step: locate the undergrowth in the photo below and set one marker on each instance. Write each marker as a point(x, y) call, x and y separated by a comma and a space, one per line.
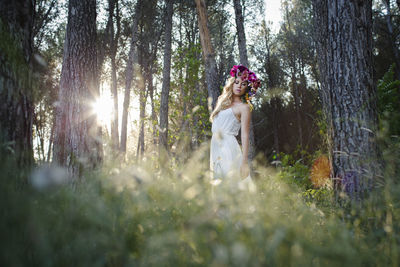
point(136, 215)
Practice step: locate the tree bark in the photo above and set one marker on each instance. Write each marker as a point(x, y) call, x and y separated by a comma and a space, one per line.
point(40, 132)
point(275, 104)
point(153, 111)
point(151, 88)
point(77, 143)
point(296, 97)
point(163, 134)
point(344, 44)
point(113, 39)
point(16, 97)
point(241, 33)
point(143, 99)
point(208, 54)
point(51, 139)
point(129, 74)
point(243, 60)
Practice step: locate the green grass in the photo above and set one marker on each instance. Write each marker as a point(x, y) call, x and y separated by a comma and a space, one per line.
point(136, 215)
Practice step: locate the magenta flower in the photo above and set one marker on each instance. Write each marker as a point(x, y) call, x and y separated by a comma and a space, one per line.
point(246, 75)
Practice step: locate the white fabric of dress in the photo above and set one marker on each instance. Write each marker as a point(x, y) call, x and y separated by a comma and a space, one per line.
point(225, 153)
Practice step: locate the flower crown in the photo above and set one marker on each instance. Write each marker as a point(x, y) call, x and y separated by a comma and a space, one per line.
point(246, 75)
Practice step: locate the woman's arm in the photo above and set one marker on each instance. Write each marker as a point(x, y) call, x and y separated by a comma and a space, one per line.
point(245, 126)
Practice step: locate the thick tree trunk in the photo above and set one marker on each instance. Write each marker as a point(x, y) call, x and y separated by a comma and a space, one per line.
point(208, 54)
point(344, 44)
point(112, 5)
point(16, 107)
point(76, 142)
point(129, 74)
point(163, 134)
point(240, 33)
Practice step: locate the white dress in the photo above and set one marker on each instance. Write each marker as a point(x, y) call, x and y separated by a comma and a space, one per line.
point(225, 154)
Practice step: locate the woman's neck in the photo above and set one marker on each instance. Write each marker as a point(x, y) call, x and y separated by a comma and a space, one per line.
point(236, 99)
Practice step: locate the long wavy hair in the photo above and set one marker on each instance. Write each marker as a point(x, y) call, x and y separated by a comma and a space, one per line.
point(225, 99)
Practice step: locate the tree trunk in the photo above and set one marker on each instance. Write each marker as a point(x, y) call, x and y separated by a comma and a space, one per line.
point(276, 103)
point(40, 132)
point(243, 60)
point(112, 4)
point(76, 140)
point(344, 44)
point(208, 54)
point(16, 107)
point(51, 139)
point(296, 96)
point(196, 135)
point(398, 3)
point(143, 99)
point(153, 112)
point(182, 86)
point(129, 74)
point(163, 134)
point(143, 93)
point(241, 33)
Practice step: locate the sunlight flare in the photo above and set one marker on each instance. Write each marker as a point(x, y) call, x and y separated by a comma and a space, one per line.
point(102, 107)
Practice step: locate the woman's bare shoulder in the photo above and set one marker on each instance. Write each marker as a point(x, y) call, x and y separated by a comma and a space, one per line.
point(244, 107)
point(241, 109)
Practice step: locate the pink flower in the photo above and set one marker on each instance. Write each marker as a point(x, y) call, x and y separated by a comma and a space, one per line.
point(246, 75)
point(233, 72)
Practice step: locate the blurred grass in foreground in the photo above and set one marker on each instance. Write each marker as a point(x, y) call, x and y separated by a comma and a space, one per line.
point(146, 216)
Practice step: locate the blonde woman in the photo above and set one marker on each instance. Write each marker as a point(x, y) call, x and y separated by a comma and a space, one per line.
point(232, 113)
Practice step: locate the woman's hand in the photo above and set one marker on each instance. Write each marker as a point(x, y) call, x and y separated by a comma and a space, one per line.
point(244, 170)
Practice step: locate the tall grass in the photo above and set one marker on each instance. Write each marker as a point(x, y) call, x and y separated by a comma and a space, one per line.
point(138, 215)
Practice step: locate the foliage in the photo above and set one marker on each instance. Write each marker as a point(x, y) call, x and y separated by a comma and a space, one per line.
point(189, 114)
point(135, 215)
point(384, 55)
point(289, 107)
point(296, 170)
point(388, 101)
point(165, 211)
point(322, 197)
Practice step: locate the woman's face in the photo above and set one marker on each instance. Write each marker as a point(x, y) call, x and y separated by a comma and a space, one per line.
point(239, 87)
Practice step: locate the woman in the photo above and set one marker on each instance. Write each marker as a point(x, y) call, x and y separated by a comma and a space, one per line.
point(232, 112)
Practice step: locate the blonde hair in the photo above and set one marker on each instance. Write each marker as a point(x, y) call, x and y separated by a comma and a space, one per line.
point(225, 99)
